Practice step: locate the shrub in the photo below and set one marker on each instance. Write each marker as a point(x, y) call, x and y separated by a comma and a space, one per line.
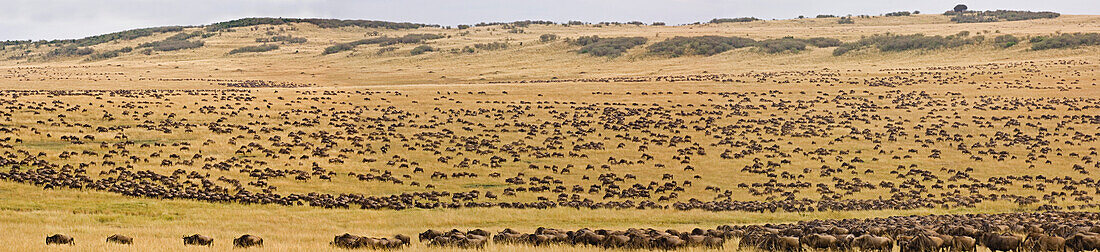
point(704, 45)
point(894, 43)
point(382, 41)
point(658, 24)
point(575, 23)
point(285, 39)
point(125, 35)
point(823, 42)
point(786, 44)
point(69, 51)
point(491, 46)
point(586, 40)
point(825, 16)
point(612, 47)
point(173, 45)
point(548, 37)
point(733, 20)
point(386, 49)
point(898, 14)
point(259, 48)
point(1065, 40)
point(1006, 41)
point(463, 27)
point(421, 50)
point(845, 20)
point(110, 54)
point(323, 23)
point(999, 15)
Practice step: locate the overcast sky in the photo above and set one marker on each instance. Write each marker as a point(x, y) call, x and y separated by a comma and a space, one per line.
point(62, 19)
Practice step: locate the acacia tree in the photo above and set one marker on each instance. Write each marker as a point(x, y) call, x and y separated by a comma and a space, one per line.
point(960, 8)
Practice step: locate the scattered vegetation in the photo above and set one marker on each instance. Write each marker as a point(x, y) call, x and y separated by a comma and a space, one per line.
point(733, 20)
point(1065, 40)
point(125, 35)
point(711, 45)
point(422, 49)
point(284, 39)
point(383, 41)
point(703, 45)
point(611, 47)
point(69, 51)
point(523, 23)
point(845, 20)
point(259, 48)
point(323, 23)
point(893, 43)
point(1005, 41)
point(175, 42)
point(998, 15)
point(491, 46)
point(898, 14)
point(825, 16)
point(386, 50)
point(110, 54)
point(548, 37)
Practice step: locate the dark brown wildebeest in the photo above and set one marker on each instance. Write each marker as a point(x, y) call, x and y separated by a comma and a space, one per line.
point(964, 244)
point(120, 239)
point(1083, 242)
point(1043, 242)
point(248, 240)
point(59, 239)
point(345, 241)
point(1002, 242)
point(197, 239)
point(870, 242)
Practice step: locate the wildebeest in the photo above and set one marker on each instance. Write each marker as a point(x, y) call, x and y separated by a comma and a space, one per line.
point(248, 240)
point(199, 240)
point(1002, 242)
point(59, 239)
point(120, 239)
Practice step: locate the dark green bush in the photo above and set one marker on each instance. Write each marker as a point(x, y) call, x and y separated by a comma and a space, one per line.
point(548, 37)
point(999, 15)
point(1006, 41)
point(733, 20)
point(421, 50)
point(826, 16)
point(611, 47)
point(658, 24)
point(704, 45)
point(110, 54)
point(786, 44)
point(172, 45)
point(386, 49)
point(845, 20)
point(69, 51)
point(285, 39)
point(491, 46)
point(259, 48)
point(894, 43)
point(1065, 40)
point(125, 35)
point(586, 40)
point(898, 14)
point(382, 41)
point(823, 42)
point(323, 23)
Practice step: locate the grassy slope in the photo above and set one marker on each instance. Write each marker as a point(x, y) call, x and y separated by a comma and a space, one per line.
point(534, 59)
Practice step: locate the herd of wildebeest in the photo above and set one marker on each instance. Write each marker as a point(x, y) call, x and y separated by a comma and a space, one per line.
point(1046, 231)
point(805, 141)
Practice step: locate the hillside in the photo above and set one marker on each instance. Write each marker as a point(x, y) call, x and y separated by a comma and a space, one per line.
point(505, 52)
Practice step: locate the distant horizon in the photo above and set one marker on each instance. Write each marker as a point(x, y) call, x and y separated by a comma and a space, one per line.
point(72, 19)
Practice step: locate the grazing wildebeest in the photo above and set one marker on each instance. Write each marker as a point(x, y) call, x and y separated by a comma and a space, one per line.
point(59, 239)
point(248, 240)
point(197, 239)
point(120, 239)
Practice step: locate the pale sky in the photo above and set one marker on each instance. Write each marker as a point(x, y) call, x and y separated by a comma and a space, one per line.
point(65, 19)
